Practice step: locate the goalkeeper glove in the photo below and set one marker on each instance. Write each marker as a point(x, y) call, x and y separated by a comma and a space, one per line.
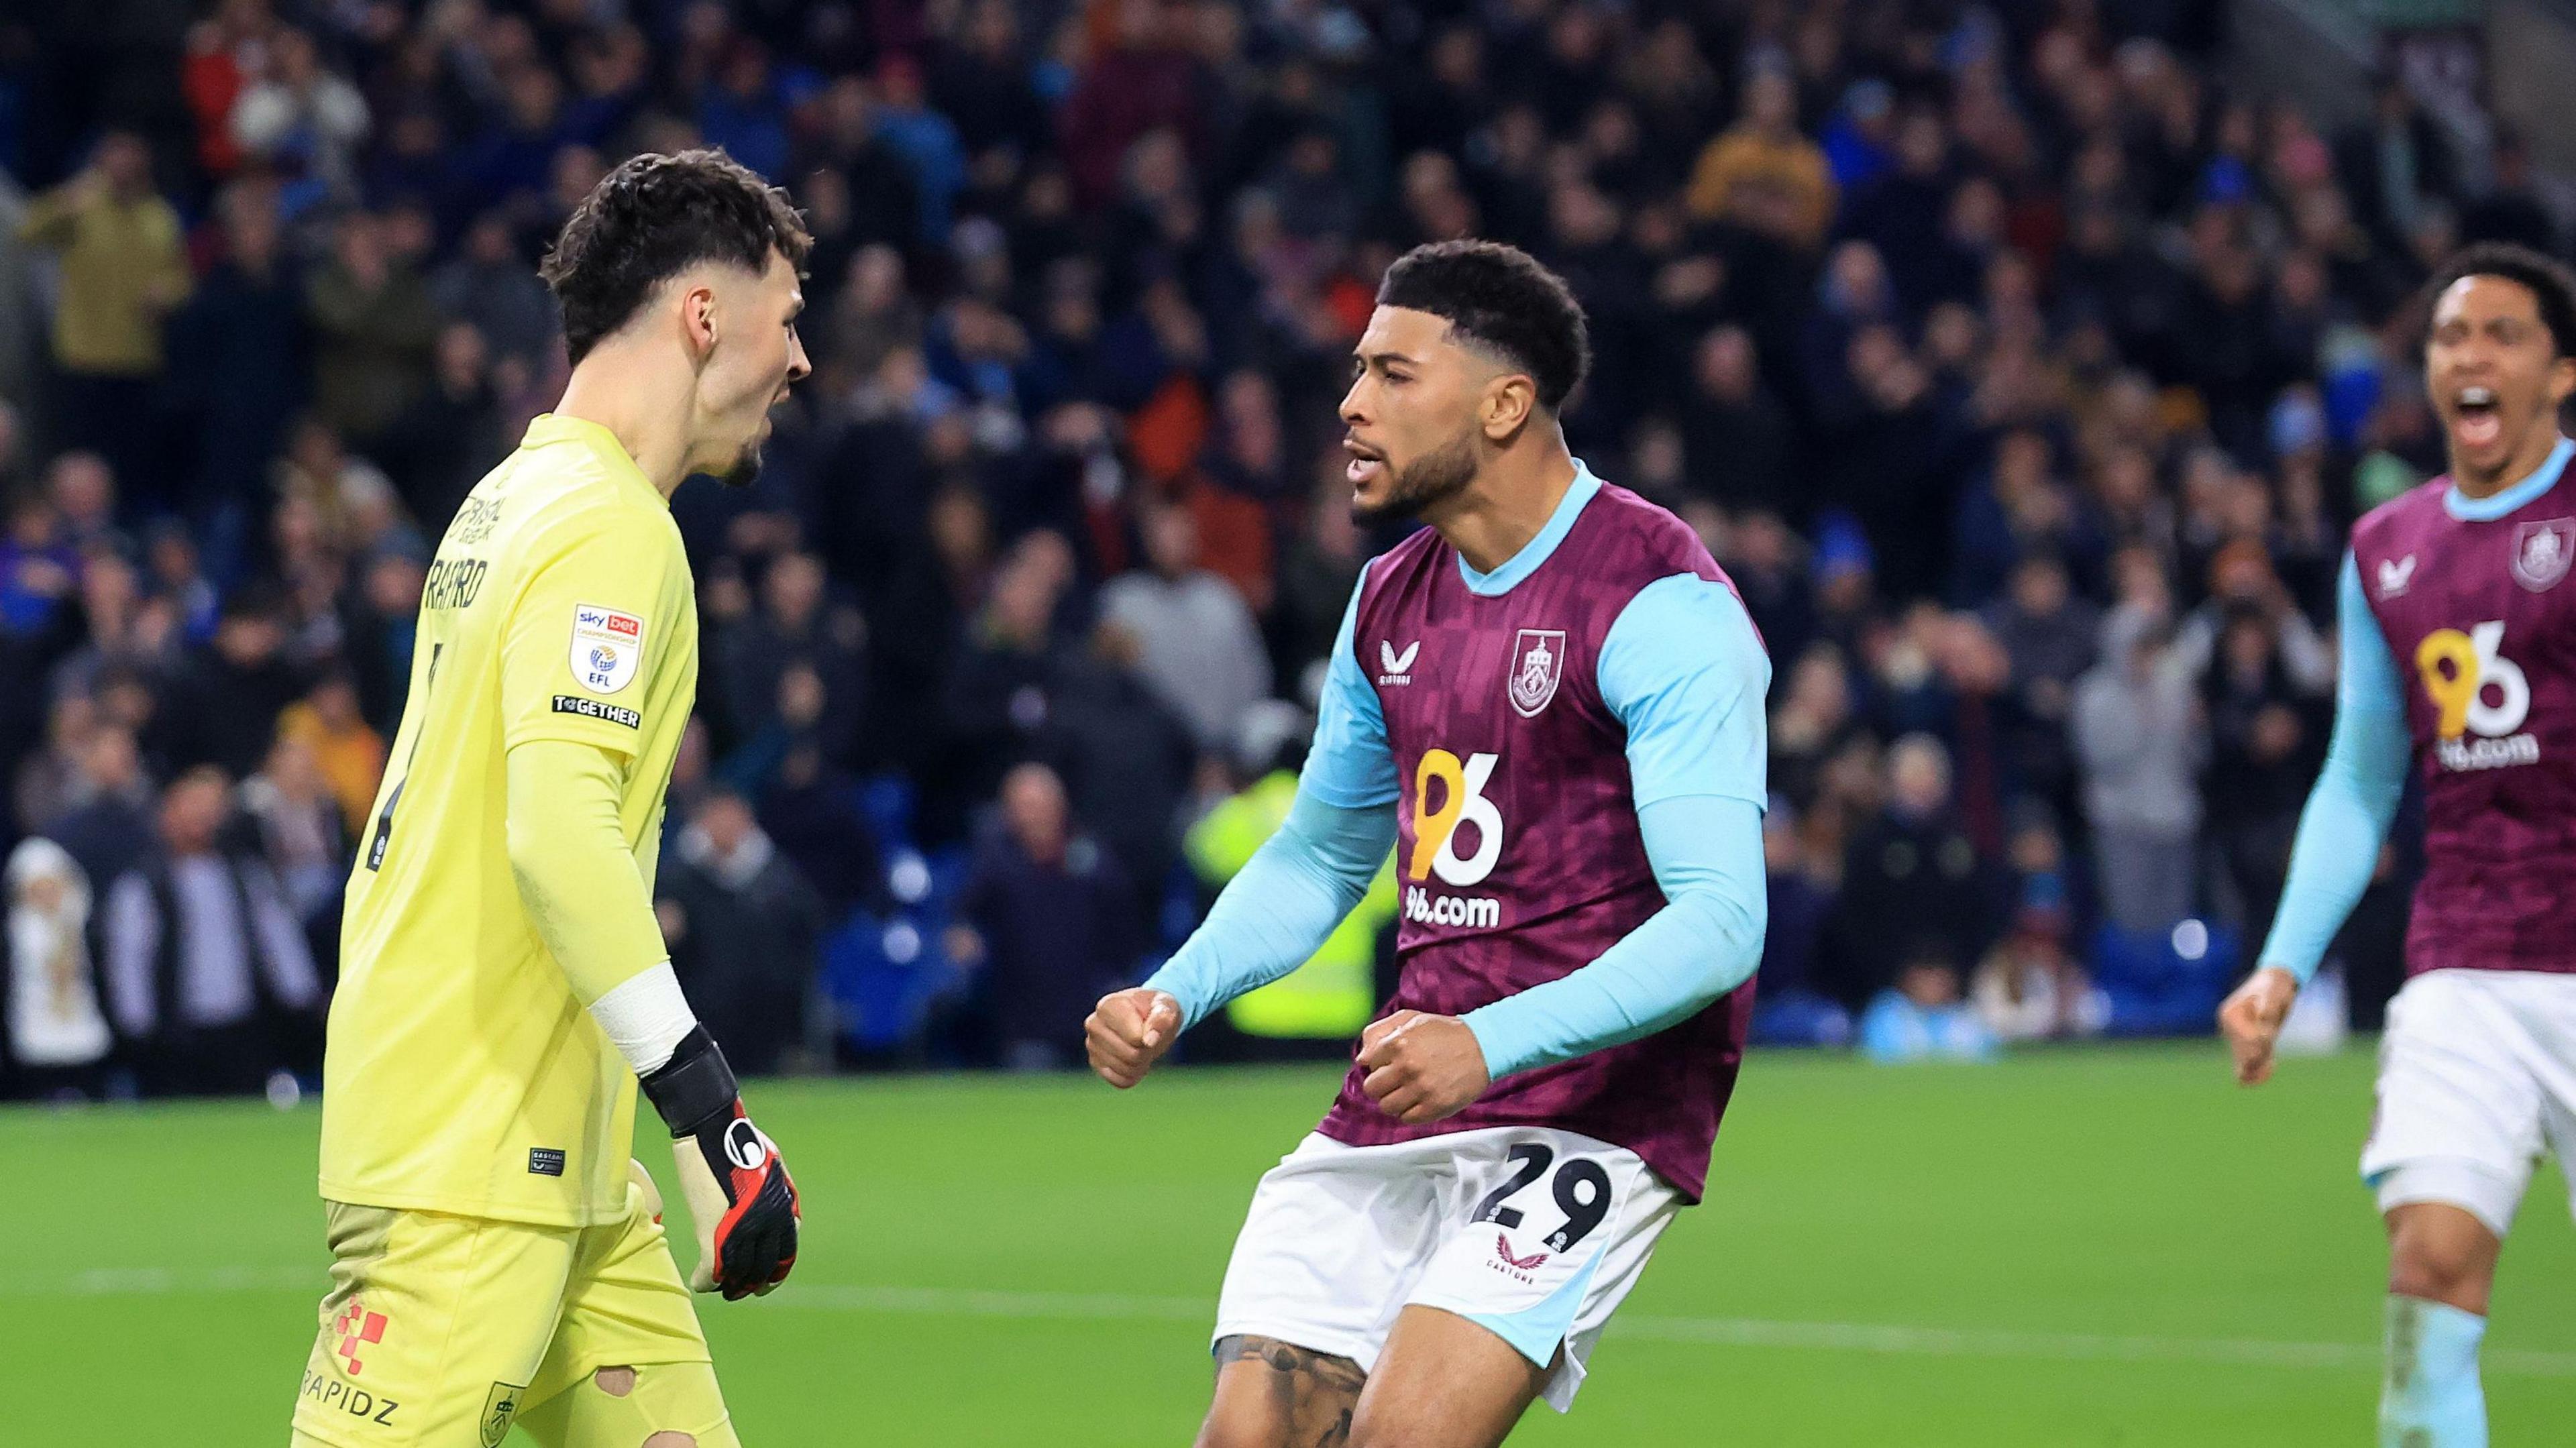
point(740, 1197)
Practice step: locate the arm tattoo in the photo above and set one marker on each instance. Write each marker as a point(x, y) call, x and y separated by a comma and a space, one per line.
point(1313, 1393)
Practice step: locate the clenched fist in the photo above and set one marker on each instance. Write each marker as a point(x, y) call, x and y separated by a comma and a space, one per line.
point(1128, 1032)
point(2251, 1020)
point(1422, 1068)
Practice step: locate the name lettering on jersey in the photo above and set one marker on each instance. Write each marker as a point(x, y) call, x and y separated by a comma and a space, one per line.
point(1399, 667)
point(453, 583)
point(1538, 664)
point(2395, 574)
point(606, 647)
point(2542, 551)
point(593, 709)
point(1459, 787)
point(2476, 691)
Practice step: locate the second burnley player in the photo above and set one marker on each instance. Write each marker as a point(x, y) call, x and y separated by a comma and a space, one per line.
point(496, 1257)
point(1549, 702)
point(2459, 659)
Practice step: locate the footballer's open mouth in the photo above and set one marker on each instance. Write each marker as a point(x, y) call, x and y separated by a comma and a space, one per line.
point(2476, 419)
point(1366, 462)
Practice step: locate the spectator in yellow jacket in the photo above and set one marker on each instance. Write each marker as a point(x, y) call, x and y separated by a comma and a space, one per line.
point(123, 269)
point(1761, 174)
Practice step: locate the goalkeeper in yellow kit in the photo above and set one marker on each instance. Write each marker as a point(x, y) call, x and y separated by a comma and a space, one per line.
point(497, 1259)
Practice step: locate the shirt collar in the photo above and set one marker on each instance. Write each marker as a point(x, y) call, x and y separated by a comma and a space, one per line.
point(1535, 552)
point(549, 428)
point(2486, 510)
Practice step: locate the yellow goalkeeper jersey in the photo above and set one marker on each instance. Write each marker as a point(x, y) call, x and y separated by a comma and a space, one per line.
point(462, 1073)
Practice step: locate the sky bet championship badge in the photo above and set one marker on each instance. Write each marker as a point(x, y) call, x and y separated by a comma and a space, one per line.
point(606, 646)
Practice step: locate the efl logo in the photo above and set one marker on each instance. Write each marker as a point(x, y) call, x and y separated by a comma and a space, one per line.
point(607, 645)
point(2460, 671)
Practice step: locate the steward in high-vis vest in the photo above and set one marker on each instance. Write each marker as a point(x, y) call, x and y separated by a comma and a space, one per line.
point(1333, 994)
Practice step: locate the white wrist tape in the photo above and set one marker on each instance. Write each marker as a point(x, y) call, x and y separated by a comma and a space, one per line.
point(645, 1016)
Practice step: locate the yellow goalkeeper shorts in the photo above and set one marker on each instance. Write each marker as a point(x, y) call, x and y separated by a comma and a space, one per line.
point(445, 1331)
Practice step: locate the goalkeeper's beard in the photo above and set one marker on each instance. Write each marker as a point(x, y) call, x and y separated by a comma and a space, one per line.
point(745, 470)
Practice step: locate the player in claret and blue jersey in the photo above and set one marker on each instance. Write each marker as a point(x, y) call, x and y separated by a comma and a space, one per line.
point(1549, 702)
point(2459, 658)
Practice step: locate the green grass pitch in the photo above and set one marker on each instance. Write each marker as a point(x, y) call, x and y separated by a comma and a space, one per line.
point(2110, 1247)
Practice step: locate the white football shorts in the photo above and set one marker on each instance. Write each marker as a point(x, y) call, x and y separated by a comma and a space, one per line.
point(2477, 1073)
point(1534, 1233)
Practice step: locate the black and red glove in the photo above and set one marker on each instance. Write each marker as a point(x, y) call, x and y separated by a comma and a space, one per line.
point(740, 1197)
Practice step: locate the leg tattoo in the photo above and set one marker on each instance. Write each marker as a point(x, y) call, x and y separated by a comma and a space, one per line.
point(1313, 1393)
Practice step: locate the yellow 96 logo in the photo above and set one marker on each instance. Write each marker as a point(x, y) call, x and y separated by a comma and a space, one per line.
point(2476, 690)
point(1462, 802)
point(2458, 668)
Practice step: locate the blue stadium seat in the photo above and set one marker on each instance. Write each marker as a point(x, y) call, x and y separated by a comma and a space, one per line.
point(879, 976)
point(2167, 983)
point(1800, 1018)
point(949, 867)
point(888, 800)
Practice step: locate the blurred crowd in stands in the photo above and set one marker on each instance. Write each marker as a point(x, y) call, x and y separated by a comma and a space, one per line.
point(2025, 378)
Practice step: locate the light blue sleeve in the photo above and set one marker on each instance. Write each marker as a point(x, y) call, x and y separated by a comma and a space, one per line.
point(1683, 668)
point(2356, 795)
point(1274, 914)
point(1349, 763)
point(1707, 853)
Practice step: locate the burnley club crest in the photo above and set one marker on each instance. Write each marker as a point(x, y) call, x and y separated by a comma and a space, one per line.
point(2542, 551)
point(1538, 662)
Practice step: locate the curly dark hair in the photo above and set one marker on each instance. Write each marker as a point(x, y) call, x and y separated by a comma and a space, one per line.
point(654, 217)
point(2550, 283)
point(1499, 298)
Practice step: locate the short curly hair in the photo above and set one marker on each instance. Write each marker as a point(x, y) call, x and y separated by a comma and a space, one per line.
point(654, 217)
point(2552, 286)
point(1501, 299)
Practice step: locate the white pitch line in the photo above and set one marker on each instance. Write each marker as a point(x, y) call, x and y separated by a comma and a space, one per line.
point(968, 1302)
point(1732, 1332)
point(166, 1282)
point(1849, 1337)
